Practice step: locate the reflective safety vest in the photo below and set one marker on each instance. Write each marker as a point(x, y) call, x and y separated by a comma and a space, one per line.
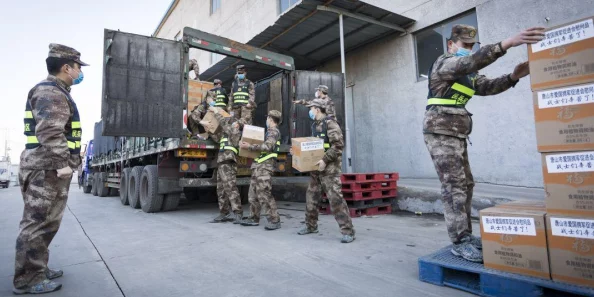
point(220, 97)
point(225, 144)
point(457, 95)
point(73, 135)
point(323, 134)
point(268, 155)
point(240, 94)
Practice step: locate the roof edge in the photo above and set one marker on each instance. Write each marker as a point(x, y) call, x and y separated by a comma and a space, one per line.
point(166, 16)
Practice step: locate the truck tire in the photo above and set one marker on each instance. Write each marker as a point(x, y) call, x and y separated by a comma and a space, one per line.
point(124, 179)
point(150, 200)
point(94, 184)
point(134, 186)
point(86, 187)
point(171, 202)
point(102, 189)
point(191, 194)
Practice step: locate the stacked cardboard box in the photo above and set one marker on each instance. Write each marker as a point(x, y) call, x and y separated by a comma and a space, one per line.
point(562, 81)
point(555, 239)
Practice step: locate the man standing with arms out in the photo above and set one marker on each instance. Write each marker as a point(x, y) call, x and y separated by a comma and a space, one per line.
point(262, 168)
point(328, 177)
point(242, 99)
point(321, 93)
point(52, 153)
point(453, 80)
point(227, 191)
point(218, 95)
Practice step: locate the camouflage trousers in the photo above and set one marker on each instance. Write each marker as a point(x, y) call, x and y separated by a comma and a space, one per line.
point(244, 114)
point(45, 196)
point(450, 157)
point(227, 191)
point(332, 186)
point(260, 193)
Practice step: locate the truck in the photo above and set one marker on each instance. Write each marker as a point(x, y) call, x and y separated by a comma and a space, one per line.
point(141, 147)
point(85, 173)
point(5, 169)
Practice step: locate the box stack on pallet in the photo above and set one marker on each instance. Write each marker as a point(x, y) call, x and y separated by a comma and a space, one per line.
point(367, 194)
point(534, 248)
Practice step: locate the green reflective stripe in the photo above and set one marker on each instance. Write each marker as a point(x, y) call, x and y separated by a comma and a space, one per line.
point(221, 96)
point(326, 145)
point(240, 94)
point(71, 145)
point(273, 155)
point(220, 104)
point(223, 140)
point(28, 114)
point(77, 144)
point(75, 125)
point(242, 101)
point(231, 149)
point(462, 89)
point(32, 140)
point(442, 101)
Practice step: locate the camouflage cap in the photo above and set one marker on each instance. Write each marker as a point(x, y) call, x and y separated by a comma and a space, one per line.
point(276, 114)
point(317, 103)
point(217, 81)
point(65, 52)
point(322, 88)
point(464, 33)
point(240, 67)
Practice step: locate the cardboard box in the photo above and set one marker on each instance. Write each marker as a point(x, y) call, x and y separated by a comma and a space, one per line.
point(565, 118)
point(569, 182)
point(514, 240)
point(307, 151)
point(571, 249)
point(197, 92)
point(251, 135)
point(565, 57)
point(524, 204)
point(213, 123)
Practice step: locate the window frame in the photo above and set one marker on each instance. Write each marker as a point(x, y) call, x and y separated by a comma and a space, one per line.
point(280, 11)
point(444, 37)
point(213, 10)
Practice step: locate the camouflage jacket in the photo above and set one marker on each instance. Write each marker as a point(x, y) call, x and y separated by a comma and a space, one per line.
point(52, 113)
point(233, 134)
point(196, 116)
point(330, 110)
point(455, 121)
point(333, 156)
point(272, 136)
point(251, 91)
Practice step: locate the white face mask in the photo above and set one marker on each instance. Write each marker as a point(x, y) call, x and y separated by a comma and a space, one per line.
point(317, 94)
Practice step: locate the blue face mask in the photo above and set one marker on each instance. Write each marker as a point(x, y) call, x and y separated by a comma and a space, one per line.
point(240, 76)
point(462, 52)
point(312, 115)
point(212, 103)
point(267, 125)
point(79, 79)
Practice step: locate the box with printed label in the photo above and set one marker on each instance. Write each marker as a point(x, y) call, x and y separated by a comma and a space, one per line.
point(565, 57)
point(252, 135)
point(514, 240)
point(210, 122)
point(307, 152)
point(569, 182)
point(571, 249)
point(565, 118)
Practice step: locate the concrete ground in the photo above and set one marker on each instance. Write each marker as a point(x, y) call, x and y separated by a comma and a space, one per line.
point(107, 249)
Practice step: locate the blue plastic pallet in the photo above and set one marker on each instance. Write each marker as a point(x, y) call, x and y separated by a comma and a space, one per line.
point(444, 269)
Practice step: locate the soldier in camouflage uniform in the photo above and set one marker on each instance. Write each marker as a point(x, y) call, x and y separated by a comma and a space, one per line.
point(217, 95)
point(52, 153)
point(227, 191)
point(321, 93)
point(260, 192)
point(194, 66)
point(242, 102)
point(213, 97)
point(453, 80)
point(327, 179)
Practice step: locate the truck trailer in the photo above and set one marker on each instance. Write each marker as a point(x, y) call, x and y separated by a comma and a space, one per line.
point(141, 146)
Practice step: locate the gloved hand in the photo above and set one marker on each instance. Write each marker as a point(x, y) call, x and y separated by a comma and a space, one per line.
point(65, 172)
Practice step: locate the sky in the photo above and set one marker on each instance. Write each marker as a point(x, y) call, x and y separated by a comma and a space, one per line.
point(28, 27)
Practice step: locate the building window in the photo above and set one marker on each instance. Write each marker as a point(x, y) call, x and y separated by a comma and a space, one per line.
point(214, 57)
point(432, 42)
point(284, 5)
point(214, 6)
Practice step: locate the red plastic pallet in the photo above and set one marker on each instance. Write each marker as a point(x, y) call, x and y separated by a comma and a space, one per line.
point(368, 177)
point(372, 211)
point(369, 195)
point(368, 186)
point(354, 212)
